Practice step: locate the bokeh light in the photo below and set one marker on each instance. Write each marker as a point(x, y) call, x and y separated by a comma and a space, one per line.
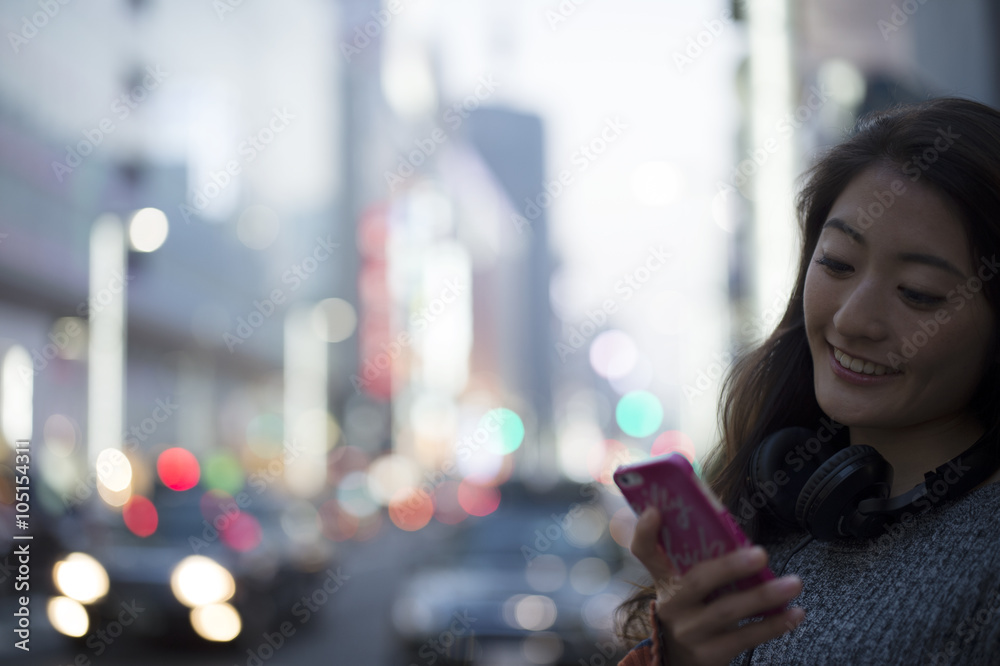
point(639, 413)
point(353, 495)
point(147, 230)
point(478, 500)
point(216, 622)
point(60, 435)
point(140, 516)
point(242, 533)
point(506, 430)
point(223, 471)
point(178, 469)
point(410, 509)
point(334, 319)
point(258, 227)
point(622, 526)
point(114, 470)
point(613, 354)
point(671, 441)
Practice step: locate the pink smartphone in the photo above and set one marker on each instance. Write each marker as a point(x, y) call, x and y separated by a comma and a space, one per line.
point(695, 525)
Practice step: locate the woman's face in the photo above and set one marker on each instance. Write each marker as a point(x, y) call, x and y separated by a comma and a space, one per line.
point(895, 288)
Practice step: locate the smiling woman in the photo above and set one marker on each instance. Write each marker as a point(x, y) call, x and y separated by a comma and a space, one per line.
point(891, 330)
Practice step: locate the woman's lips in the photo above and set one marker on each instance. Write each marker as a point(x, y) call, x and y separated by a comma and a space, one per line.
point(857, 378)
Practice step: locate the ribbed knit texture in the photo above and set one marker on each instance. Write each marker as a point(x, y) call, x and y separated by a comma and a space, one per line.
point(928, 595)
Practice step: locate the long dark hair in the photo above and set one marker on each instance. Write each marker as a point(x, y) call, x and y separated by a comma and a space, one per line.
point(948, 143)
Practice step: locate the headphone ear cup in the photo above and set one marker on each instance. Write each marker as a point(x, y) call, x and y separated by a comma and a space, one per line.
point(770, 463)
point(835, 489)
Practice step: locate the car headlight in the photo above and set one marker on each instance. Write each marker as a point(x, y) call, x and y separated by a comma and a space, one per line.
point(198, 580)
point(81, 578)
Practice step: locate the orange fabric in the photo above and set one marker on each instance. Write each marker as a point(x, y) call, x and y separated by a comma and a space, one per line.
point(647, 655)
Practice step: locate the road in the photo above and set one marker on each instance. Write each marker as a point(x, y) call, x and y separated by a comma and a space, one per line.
point(351, 627)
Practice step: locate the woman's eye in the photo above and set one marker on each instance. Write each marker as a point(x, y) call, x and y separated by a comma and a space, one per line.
point(921, 299)
point(834, 266)
point(913, 296)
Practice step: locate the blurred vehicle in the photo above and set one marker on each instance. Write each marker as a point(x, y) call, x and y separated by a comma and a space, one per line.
point(532, 583)
point(192, 564)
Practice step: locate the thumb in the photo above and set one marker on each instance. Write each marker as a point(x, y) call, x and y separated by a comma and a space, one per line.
point(647, 549)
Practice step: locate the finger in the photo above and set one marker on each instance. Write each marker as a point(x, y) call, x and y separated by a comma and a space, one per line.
point(706, 577)
point(646, 548)
point(726, 647)
point(724, 614)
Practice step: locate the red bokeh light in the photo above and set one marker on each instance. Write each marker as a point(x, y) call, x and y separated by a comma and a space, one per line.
point(242, 533)
point(673, 441)
point(178, 469)
point(478, 500)
point(410, 509)
point(140, 516)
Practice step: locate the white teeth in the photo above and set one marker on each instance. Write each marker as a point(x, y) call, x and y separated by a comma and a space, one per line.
point(862, 367)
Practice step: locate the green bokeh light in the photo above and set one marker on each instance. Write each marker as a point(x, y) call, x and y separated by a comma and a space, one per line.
point(223, 472)
point(639, 413)
point(510, 433)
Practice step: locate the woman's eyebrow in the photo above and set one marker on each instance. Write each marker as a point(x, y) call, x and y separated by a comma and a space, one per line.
point(917, 257)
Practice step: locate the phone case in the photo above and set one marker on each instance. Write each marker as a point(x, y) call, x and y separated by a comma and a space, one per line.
point(695, 525)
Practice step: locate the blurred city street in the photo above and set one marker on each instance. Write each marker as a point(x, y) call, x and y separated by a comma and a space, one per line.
point(324, 324)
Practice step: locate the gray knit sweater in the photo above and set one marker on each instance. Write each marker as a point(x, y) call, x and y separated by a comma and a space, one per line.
point(928, 595)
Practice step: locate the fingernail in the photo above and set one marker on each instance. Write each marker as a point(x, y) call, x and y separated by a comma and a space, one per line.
point(789, 583)
point(752, 555)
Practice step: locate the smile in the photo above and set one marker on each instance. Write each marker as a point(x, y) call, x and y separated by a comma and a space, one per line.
point(861, 366)
point(859, 371)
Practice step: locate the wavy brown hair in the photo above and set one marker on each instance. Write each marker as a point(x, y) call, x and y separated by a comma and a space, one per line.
point(770, 386)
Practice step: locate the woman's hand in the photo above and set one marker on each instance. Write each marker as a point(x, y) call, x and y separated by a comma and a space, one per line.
point(702, 634)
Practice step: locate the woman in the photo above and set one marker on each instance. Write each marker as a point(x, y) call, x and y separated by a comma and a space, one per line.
point(891, 336)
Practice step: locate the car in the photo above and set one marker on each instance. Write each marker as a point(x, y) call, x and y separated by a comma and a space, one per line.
point(534, 582)
point(208, 567)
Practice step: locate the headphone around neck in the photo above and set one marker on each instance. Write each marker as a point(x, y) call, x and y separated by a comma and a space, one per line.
point(834, 490)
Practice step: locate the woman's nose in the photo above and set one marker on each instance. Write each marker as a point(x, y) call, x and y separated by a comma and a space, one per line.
point(862, 313)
